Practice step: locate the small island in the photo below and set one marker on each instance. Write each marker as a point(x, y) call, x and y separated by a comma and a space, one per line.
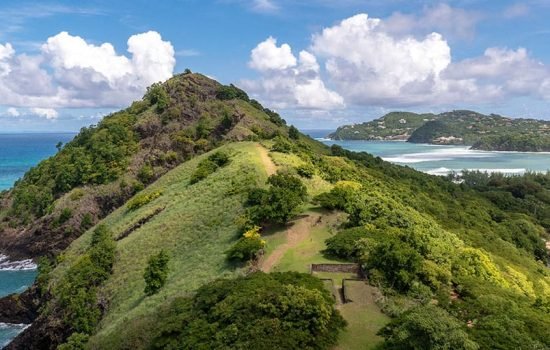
point(460, 127)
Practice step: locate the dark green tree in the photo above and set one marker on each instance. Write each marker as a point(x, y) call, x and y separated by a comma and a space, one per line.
point(156, 273)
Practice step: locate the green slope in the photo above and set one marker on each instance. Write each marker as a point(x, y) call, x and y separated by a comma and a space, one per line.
point(196, 226)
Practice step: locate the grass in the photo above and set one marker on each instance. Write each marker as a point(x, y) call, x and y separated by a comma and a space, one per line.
point(363, 316)
point(195, 228)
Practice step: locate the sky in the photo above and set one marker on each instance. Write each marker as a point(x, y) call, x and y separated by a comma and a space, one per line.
point(319, 63)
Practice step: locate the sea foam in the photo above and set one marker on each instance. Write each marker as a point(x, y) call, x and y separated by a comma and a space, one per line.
point(7, 265)
point(439, 155)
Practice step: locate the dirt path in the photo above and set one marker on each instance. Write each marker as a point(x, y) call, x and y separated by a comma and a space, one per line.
point(299, 231)
point(269, 166)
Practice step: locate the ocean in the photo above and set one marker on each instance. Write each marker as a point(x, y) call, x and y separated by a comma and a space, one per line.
point(18, 153)
point(442, 160)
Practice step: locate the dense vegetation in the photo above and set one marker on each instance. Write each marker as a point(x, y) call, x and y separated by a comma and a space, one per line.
point(260, 311)
point(486, 132)
point(108, 163)
point(457, 265)
point(514, 142)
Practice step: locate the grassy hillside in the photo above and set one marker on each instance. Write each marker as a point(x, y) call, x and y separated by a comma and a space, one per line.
point(227, 238)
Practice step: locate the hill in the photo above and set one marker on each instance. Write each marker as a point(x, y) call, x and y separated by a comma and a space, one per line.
point(216, 251)
point(484, 132)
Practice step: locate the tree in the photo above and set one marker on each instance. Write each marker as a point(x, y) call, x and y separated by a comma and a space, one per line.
point(278, 203)
point(260, 311)
point(156, 273)
point(293, 133)
point(248, 246)
point(426, 327)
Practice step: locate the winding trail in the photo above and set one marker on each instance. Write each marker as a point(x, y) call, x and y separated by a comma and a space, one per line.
point(269, 166)
point(297, 233)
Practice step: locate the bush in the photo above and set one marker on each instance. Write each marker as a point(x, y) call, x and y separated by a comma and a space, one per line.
point(76, 293)
point(282, 145)
point(426, 327)
point(293, 133)
point(260, 311)
point(77, 341)
point(156, 273)
point(341, 197)
point(345, 243)
point(247, 247)
point(306, 170)
point(142, 199)
point(156, 94)
point(208, 166)
point(146, 174)
point(278, 203)
point(231, 92)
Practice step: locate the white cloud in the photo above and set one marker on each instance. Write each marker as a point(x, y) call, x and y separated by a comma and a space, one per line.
point(47, 113)
point(288, 81)
point(370, 66)
point(268, 56)
point(12, 112)
point(70, 72)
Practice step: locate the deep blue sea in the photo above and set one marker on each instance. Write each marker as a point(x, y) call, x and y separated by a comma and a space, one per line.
point(18, 153)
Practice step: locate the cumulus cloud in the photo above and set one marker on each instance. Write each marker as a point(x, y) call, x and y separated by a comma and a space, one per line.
point(369, 65)
point(287, 81)
point(70, 72)
point(12, 112)
point(47, 113)
point(268, 56)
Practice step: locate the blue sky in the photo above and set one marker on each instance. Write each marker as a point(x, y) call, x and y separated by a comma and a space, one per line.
point(321, 63)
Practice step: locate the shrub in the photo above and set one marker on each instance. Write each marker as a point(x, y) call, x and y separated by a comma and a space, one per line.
point(247, 247)
point(156, 94)
point(76, 293)
point(209, 166)
point(77, 341)
point(293, 133)
point(146, 173)
point(426, 327)
point(278, 203)
point(341, 197)
point(282, 145)
point(156, 273)
point(306, 170)
point(260, 311)
point(231, 92)
point(142, 199)
point(345, 243)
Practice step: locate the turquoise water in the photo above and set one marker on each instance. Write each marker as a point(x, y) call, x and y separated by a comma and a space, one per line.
point(19, 152)
point(441, 160)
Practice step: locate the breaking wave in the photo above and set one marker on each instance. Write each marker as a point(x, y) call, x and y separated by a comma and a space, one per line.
point(7, 265)
point(439, 155)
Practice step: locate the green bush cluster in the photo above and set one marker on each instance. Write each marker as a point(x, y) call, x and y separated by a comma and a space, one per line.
point(142, 199)
point(76, 294)
point(278, 203)
point(156, 95)
point(247, 247)
point(231, 92)
point(97, 155)
point(260, 311)
point(209, 165)
point(156, 273)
